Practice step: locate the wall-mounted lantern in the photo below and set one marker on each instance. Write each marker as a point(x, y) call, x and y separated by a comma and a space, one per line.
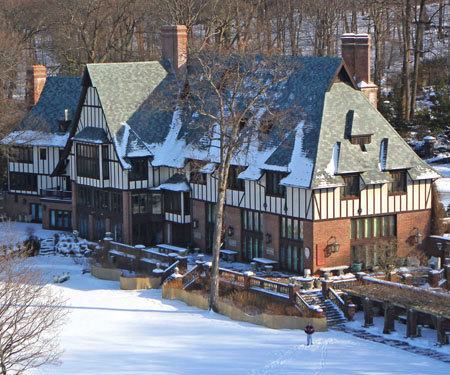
point(195, 223)
point(439, 245)
point(333, 246)
point(230, 231)
point(268, 238)
point(417, 237)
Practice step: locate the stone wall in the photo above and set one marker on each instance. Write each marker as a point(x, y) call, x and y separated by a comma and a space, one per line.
point(139, 283)
point(270, 321)
point(112, 274)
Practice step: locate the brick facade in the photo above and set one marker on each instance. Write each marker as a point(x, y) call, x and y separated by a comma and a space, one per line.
point(232, 218)
point(406, 221)
point(322, 232)
point(17, 205)
point(271, 225)
point(199, 214)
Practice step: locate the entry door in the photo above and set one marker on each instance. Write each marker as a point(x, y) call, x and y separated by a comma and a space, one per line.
point(168, 234)
point(36, 212)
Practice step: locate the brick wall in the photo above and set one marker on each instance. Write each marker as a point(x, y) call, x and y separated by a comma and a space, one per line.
point(271, 224)
point(232, 218)
point(22, 207)
point(47, 206)
point(322, 231)
point(406, 221)
point(127, 225)
point(199, 213)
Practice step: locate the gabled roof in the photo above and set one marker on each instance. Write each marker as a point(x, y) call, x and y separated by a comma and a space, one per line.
point(299, 99)
point(348, 112)
point(92, 135)
point(321, 109)
point(59, 93)
point(128, 93)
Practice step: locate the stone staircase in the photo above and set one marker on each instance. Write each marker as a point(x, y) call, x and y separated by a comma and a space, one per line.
point(332, 312)
point(47, 247)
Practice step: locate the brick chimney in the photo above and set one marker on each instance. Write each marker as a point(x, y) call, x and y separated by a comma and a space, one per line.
point(36, 77)
point(174, 47)
point(356, 54)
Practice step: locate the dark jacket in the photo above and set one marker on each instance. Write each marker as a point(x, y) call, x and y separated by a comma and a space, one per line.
point(309, 330)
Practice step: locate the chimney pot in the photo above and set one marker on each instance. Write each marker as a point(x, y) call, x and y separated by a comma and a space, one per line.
point(174, 47)
point(36, 77)
point(356, 55)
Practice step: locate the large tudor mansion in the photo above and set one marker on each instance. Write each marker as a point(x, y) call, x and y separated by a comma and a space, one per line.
point(101, 154)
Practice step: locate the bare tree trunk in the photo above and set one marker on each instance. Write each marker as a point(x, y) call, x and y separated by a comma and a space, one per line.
point(441, 18)
point(217, 238)
point(417, 53)
point(406, 78)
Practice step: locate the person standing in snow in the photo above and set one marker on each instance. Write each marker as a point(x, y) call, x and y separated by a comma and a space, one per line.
point(309, 330)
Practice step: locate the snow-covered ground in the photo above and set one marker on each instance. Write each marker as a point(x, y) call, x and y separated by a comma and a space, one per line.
point(111, 331)
point(443, 184)
point(12, 231)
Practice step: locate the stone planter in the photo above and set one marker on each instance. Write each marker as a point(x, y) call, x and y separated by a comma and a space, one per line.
point(357, 267)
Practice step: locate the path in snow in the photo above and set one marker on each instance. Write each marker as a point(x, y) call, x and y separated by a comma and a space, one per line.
point(384, 339)
point(112, 331)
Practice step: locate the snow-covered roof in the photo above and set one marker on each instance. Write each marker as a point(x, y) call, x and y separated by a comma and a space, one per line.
point(35, 138)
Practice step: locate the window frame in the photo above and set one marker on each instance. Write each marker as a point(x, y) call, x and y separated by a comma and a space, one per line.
point(347, 191)
point(139, 169)
point(366, 228)
point(172, 202)
point(196, 177)
point(22, 154)
point(233, 182)
point(273, 187)
point(399, 185)
point(42, 154)
point(23, 181)
point(361, 140)
point(88, 160)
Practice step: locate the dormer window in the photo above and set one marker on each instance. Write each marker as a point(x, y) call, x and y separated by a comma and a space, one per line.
point(273, 186)
point(233, 181)
point(198, 178)
point(351, 188)
point(139, 169)
point(361, 140)
point(398, 184)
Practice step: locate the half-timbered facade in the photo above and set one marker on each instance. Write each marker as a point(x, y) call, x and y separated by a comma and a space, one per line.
point(35, 148)
point(340, 175)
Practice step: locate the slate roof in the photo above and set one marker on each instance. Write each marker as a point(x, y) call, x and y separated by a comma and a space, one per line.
point(348, 112)
point(176, 182)
point(147, 117)
point(91, 134)
point(128, 91)
point(59, 93)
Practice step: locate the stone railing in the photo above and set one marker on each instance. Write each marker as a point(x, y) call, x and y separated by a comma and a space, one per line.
point(56, 194)
point(271, 286)
point(344, 283)
point(190, 276)
point(136, 258)
point(305, 307)
point(233, 277)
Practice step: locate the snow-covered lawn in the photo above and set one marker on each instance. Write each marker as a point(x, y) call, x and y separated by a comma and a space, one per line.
point(15, 231)
point(110, 331)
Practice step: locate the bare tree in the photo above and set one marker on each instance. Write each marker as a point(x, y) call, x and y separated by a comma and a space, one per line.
point(385, 253)
point(229, 94)
point(31, 315)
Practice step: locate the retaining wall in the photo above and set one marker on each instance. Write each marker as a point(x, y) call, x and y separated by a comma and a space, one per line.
point(112, 274)
point(140, 282)
point(270, 321)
